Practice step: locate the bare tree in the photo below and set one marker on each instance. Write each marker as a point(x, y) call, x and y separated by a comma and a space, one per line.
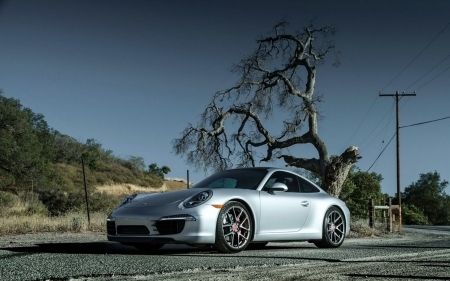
point(278, 78)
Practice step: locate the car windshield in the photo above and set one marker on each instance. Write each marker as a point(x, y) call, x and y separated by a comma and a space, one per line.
point(238, 178)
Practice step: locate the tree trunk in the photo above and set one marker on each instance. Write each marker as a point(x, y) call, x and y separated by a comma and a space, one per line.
point(337, 170)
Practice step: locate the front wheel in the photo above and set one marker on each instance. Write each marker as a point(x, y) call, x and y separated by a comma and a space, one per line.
point(333, 229)
point(233, 229)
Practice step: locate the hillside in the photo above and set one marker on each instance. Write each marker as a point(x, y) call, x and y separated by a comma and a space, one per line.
point(41, 169)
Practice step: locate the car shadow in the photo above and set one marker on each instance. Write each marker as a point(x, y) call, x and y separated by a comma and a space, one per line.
point(112, 248)
point(96, 248)
point(109, 248)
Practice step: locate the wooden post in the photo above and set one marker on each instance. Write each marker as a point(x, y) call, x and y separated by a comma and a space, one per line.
point(187, 179)
point(371, 213)
point(397, 97)
point(85, 193)
point(390, 215)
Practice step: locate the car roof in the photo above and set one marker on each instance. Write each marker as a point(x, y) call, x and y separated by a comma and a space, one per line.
point(255, 168)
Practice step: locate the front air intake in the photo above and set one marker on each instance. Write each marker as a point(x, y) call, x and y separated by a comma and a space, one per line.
point(111, 227)
point(132, 229)
point(167, 227)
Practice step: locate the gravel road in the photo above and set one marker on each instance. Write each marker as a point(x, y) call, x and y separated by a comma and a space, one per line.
point(89, 257)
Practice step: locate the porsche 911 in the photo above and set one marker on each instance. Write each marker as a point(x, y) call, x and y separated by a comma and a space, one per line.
point(231, 211)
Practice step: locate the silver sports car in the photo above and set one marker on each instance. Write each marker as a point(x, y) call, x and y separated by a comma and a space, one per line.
point(233, 210)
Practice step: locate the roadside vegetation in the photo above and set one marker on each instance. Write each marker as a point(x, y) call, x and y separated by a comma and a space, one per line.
point(41, 179)
point(42, 188)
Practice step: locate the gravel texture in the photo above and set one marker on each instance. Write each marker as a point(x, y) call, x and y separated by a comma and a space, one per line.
point(88, 256)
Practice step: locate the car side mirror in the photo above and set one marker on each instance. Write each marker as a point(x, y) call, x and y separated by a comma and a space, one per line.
point(278, 186)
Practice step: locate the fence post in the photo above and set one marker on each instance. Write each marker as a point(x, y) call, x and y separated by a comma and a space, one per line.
point(371, 213)
point(85, 193)
point(187, 171)
point(390, 215)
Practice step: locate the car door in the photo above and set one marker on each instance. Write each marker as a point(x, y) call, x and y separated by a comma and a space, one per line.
point(283, 211)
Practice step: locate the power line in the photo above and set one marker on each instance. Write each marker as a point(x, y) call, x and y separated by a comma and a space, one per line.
point(421, 123)
point(384, 137)
point(373, 103)
point(374, 138)
point(382, 151)
point(433, 78)
point(428, 72)
point(415, 57)
point(389, 111)
point(407, 100)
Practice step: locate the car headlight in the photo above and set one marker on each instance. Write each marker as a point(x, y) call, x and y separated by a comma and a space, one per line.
point(198, 199)
point(127, 199)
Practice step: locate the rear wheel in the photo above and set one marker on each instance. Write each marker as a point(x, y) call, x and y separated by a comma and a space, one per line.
point(333, 229)
point(233, 229)
point(148, 247)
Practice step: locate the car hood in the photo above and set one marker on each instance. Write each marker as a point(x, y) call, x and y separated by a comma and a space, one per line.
point(161, 199)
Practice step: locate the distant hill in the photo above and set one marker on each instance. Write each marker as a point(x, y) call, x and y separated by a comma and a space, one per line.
point(39, 162)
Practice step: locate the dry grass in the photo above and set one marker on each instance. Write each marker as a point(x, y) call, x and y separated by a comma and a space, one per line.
point(175, 184)
point(126, 189)
point(360, 228)
point(74, 222)
point(24, 213)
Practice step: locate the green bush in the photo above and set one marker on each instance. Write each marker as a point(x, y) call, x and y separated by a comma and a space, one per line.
point(8, 200)
point(412, 215)
point(37, 208)
point(59, 201)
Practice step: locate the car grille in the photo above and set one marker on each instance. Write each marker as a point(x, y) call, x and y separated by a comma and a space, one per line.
point(132, 229)
point(111, 227)
point(167, 227)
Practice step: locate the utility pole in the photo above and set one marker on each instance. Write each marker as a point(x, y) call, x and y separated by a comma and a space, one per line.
point(397, 97)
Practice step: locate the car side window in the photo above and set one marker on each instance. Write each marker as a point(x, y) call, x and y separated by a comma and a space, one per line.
point(288, 179)
point(307, 187)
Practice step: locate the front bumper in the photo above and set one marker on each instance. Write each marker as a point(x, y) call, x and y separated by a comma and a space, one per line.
point(164, 224)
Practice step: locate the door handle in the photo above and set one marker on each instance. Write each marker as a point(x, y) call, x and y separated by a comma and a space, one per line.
point(305, 203)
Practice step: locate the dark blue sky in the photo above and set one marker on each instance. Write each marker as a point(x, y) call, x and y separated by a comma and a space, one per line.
point(132, 74)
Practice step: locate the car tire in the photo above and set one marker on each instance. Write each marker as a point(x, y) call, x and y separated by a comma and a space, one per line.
point(233, 228)
point(256, 246)
point(148, 247)
point(333, 229)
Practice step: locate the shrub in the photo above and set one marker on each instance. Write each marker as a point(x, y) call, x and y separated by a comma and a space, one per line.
point(59, 201)
point(21, 204)
point(412, 215)
point(8, 200)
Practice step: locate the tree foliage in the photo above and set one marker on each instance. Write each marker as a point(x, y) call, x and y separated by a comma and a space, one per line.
point(359, 188)
point(413, 216)
point(428, 195)
point(153, 169)
point(23, 136)
point(278, 78)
